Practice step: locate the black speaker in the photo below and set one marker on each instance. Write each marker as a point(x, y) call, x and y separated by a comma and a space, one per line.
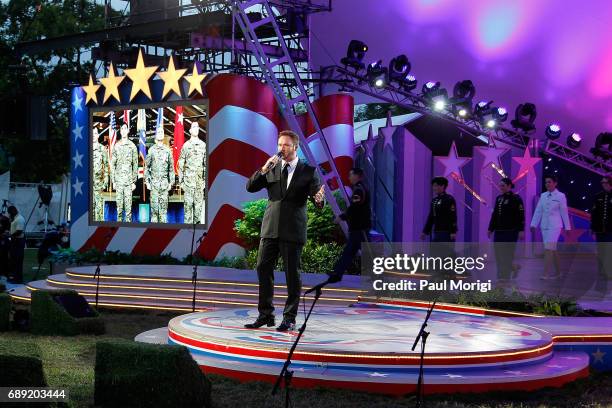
point(75, 305)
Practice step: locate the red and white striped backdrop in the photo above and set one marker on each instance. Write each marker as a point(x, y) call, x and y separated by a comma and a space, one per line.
point(243, 126)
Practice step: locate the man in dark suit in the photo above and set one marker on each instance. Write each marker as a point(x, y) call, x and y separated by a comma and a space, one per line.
point(290, 182)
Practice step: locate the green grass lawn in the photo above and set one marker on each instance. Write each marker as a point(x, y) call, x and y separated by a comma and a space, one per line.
point(69, 362)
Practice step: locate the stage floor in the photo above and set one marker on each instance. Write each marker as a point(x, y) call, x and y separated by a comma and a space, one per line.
point(369, 349)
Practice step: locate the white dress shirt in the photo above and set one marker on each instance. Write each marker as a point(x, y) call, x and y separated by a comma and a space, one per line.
point(551, 211)
point(290, 170)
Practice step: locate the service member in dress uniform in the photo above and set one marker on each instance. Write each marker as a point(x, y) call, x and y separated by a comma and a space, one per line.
point(601, 226)
point(507, 226)
point(442, 219)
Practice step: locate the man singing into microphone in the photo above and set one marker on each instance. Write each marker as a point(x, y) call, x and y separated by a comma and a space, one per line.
point(290, 182)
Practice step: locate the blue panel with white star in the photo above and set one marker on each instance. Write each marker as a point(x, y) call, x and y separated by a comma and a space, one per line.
point(79, 153)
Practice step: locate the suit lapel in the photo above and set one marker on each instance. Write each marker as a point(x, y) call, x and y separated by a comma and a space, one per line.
point(294, 177)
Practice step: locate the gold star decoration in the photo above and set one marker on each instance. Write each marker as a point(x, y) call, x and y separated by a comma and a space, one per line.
point(90, 91)
point(171, 78)
point(195, 81)
point(111, 84)
point(140, 77)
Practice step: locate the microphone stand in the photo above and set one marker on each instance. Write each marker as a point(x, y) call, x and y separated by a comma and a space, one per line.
point(97, 272)
point(285, 373)
point(194, 275)
point(423, 337)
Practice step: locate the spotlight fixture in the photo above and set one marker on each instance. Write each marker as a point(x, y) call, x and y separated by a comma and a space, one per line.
point(436, 97)
point(553, 131)
point(489, 116)
point(354, 55)
point(524, 117)
point(574, 140)
point(601, 141)
point(377, 74)
point(399, 71)
point(399, 68)
point(461, 102)
point(409, 83)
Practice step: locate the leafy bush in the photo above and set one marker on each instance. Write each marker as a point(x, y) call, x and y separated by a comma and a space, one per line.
point(316, 258)
point(5, 311)
point(50, 318)
point(130, 374)
point(248, 228)
point(320, 229)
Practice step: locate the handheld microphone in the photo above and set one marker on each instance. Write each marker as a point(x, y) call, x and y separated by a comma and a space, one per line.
point(270, 166)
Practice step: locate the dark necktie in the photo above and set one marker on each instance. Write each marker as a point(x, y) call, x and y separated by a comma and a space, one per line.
point(284, 178)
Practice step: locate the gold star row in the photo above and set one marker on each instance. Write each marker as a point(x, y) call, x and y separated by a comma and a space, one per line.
point(140, 77)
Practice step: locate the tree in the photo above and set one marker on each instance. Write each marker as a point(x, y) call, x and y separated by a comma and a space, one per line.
point(49, 73)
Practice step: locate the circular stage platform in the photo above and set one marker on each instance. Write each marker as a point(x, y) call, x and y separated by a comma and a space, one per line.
point(369, 349)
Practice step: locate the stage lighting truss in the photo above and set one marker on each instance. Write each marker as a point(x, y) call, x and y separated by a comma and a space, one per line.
point(571, 155)
point(397, 94)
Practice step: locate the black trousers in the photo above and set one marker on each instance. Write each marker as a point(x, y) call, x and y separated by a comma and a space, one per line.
point(353, 245)
point(16, 254)
point(267, 257)
point(505, 246)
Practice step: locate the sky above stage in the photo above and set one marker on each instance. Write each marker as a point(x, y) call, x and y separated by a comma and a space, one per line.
point(554, 53)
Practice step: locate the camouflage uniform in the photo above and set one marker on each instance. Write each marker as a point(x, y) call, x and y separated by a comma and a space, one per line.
point(191, 170)
point(100, 180)
point(159, 176)
point(125, 172)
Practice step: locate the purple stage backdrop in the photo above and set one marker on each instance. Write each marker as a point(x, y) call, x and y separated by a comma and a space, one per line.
point(556, 54)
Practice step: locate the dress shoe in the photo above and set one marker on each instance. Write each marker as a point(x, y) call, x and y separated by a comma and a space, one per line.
point(286, 325)
point(261, 321)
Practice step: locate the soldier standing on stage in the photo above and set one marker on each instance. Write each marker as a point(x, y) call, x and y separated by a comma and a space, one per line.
point(601, 226)
point(125, 173)
point(100, 176)
point(442, 219)
point(159, 177)
point(191, 172)
point(507, 226)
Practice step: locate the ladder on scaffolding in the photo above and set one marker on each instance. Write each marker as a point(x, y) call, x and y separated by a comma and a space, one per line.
point(267, 64)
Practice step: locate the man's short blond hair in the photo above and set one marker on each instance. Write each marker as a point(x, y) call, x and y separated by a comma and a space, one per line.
point(290, 133)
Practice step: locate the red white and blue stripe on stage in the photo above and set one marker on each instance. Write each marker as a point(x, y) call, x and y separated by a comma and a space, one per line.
point(467, 353)
point(244, 122)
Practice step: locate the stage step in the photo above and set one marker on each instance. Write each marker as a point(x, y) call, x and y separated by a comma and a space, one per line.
point(169, 287)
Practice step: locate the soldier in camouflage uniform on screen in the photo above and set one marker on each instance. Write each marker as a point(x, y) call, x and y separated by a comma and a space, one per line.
point(100, 176)
point(159, 177)
point(191, 172)
point(124, 165)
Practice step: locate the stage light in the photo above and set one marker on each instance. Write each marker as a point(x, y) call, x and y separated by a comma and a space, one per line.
point(437, 97)
point(489, 116)
point(574, 140)
point(463, 93)
point(601, 141)
point(501, 114)
point(524, 117)
point(399, 68)
point(553, 131)
point(354, 55)
point(409, 83)
point(377, 74)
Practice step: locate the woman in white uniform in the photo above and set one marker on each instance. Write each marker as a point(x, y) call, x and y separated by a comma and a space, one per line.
point(550, 215)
